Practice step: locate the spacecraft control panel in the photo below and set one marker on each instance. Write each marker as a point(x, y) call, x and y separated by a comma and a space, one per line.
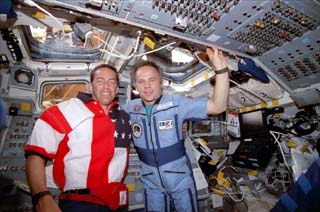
point(282, 36)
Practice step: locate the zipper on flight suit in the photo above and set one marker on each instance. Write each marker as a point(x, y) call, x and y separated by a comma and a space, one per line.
point(153, 150)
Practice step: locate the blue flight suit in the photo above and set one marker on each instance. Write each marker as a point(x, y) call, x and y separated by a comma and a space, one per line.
point(166, 171)
point(3, 114)
point(304, 195)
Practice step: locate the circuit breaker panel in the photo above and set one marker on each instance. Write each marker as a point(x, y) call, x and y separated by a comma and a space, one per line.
point(14, 190)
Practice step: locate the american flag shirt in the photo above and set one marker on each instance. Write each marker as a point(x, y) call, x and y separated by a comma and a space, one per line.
point(89, 148)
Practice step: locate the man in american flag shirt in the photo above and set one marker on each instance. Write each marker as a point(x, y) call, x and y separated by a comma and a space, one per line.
point(87, 138)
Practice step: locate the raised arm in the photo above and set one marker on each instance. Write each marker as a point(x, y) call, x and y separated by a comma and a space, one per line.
point(218, 102)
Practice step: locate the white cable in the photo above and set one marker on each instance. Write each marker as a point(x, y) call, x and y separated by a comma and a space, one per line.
point(138, 55)
point(155, 50)
point(225, 189)
point(112, 50)
point(136, 46)
point(87, 36)
point(114, 45)
point(232, 167)
point(201, 61)
point(106, 43)
point(221, 163)
point(281, 150)
point(234, 193)
point(122, 56)
point(226, 123)
point(33, 4)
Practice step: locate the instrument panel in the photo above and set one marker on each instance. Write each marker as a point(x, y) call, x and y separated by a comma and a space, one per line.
point(282, 36)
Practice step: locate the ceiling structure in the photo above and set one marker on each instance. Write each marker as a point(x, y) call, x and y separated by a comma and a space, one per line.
point(282, 37)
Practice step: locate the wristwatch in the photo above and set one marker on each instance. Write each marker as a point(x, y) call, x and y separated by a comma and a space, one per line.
point(37, 196)
point(224, 70)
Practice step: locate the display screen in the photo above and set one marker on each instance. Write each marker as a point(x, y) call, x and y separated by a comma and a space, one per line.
point(200, 128)
point(253, 123)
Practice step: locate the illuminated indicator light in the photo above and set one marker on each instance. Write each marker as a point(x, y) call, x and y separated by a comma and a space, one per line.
point(216, 16)
point(275, 21)
point(25, 107)
point(303, 21)
point(131, 187)
point(283, 34)
point(260, 24)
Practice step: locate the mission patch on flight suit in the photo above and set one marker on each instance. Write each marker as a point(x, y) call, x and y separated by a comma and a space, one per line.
point(165, 125)
point(137, 130)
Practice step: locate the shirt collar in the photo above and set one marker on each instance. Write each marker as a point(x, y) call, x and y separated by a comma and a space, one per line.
point(85, 97)
point(156, 102)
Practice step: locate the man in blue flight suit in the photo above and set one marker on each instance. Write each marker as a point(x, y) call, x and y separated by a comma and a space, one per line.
point(157, 121)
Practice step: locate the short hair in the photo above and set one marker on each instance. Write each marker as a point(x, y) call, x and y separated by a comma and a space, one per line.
point(142, 64)
point(101, 66)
